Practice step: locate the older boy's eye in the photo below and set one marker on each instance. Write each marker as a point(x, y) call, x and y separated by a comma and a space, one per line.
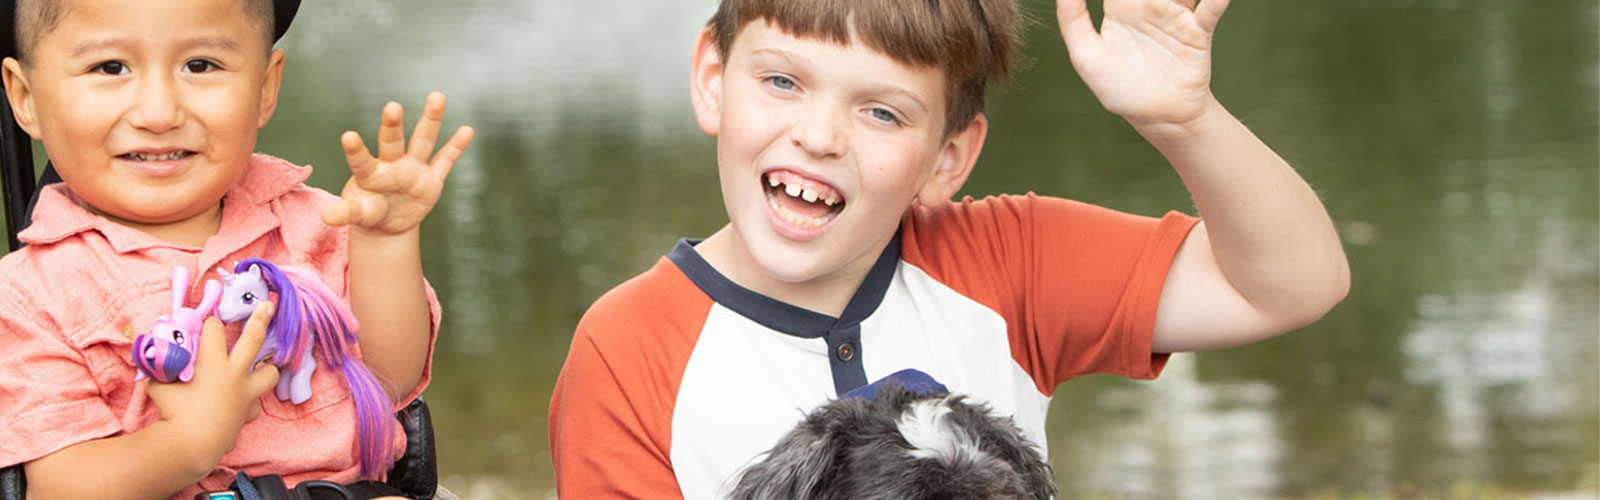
point(199, 66)
point(884, 115)
point(781, 82)
point(111, 68)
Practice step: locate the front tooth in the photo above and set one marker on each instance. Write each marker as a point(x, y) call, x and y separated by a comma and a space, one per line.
point(793, 190)
point(810, 195)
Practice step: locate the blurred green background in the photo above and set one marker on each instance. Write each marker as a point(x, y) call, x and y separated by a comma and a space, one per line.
point(1454, 141)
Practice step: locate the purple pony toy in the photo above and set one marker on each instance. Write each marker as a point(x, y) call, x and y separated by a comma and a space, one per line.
point(167, 353)
point(312, 319)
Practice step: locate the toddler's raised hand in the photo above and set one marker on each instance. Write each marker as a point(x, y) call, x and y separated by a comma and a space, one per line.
point(1151, 59)
point(224, 393)
point(392, 193)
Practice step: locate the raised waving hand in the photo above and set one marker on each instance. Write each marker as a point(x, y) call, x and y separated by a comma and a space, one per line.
point(392, 193)
point(1150, 61)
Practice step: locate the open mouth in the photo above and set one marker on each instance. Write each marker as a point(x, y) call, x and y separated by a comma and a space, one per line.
point(801, 201)
point(143, 156)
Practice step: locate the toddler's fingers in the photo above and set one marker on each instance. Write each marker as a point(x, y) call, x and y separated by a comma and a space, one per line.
point(391, 139)
point(446, 159)
point(427, 131)
point(263, 379)
point(254, 334)
point(339, 212)
point(364, 211)
point(355, 153)
point(213, 341)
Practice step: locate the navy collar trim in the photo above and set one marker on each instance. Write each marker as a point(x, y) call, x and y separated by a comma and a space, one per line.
point(782, 316)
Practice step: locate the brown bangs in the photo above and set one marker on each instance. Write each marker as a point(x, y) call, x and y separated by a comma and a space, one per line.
point(971, 41)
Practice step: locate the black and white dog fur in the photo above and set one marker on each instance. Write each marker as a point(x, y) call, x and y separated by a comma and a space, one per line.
point(900, 445)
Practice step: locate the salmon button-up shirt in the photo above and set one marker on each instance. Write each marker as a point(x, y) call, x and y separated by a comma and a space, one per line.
point(73, 299)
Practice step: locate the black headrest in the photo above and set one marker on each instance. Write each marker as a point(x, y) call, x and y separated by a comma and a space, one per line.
point(283, 11)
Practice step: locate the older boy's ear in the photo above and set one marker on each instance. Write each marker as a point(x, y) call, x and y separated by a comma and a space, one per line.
point(957, 156)
point(270, 84)
point(705, 82)
point(19, 93)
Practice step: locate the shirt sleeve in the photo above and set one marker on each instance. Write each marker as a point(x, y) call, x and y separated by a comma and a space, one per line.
point(599, 440)
point(1077, 284)
point(49, 398)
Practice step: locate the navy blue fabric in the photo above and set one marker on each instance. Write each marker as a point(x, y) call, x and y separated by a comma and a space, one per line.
point(843, 331)
point(241, 483)
point(910, 378)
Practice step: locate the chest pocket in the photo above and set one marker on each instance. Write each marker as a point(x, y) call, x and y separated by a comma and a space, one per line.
point(104, 333)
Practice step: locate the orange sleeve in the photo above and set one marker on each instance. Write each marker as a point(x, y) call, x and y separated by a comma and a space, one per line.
point(612, 409)
point(1076, 283)
point(601, 446)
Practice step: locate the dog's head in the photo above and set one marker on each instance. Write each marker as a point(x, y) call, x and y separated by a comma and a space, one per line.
point(900, 445)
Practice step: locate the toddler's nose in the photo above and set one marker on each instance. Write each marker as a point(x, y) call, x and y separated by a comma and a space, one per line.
point(158, 108)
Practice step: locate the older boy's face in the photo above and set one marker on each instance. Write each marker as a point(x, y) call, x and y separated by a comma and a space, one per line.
point(150, 109)
point(821, 148)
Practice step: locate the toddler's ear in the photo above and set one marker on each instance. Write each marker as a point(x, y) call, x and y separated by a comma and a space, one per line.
point(957, 155)
point(705, 82)
point(270, 84)
point(19, 93)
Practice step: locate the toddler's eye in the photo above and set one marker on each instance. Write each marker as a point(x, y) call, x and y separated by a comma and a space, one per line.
point(111, 68)
point(781, 82)
point(884, 115)
point(199, 66)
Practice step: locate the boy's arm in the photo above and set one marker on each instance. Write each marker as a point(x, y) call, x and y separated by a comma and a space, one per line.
point(600, 444)
point(1267, 259)
point(384, 203)
point(200, 422)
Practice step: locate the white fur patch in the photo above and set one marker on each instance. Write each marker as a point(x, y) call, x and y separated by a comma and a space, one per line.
point(926, 426)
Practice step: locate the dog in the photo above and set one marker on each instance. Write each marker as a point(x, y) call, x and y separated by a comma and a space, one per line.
point(902, 438)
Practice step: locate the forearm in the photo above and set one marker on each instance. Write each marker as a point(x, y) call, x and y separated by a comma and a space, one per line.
point(1271, 237)
point(388, 298)
point(155, 462)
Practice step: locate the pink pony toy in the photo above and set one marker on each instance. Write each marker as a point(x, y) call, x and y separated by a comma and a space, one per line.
point(312, 326)
point(167, 353)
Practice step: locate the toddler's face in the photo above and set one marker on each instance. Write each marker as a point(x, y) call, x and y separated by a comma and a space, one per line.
point(821, 148)
point(149, 109)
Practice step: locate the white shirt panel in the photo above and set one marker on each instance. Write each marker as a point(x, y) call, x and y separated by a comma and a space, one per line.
point(745, 386)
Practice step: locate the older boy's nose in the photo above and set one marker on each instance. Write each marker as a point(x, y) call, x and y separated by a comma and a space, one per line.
point(158, 107)
point(818, 133)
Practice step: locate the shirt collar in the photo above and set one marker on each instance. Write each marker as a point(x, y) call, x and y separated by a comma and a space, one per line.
point(61, 214)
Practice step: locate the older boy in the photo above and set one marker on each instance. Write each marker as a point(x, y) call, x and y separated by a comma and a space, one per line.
point(150, 111)
point(843, 129)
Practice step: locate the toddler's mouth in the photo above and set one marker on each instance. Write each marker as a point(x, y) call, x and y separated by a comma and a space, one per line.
point(801, 201)
point(143, 156)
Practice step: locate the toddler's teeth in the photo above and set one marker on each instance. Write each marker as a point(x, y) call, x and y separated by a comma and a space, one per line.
point(810, 195)
point(773, 180)
point(792, 189)
point(829, 202)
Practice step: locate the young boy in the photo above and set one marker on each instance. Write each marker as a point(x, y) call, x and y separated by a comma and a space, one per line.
point(843, 129)
point(149, 110)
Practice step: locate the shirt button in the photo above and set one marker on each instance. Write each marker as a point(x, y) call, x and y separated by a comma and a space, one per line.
point(847, 352)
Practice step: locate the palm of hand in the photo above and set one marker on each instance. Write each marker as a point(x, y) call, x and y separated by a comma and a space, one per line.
point(392, 193)
point(395, 196)
point(1151, 59)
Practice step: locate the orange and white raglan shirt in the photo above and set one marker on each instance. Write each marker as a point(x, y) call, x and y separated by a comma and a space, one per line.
point(679, 378)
